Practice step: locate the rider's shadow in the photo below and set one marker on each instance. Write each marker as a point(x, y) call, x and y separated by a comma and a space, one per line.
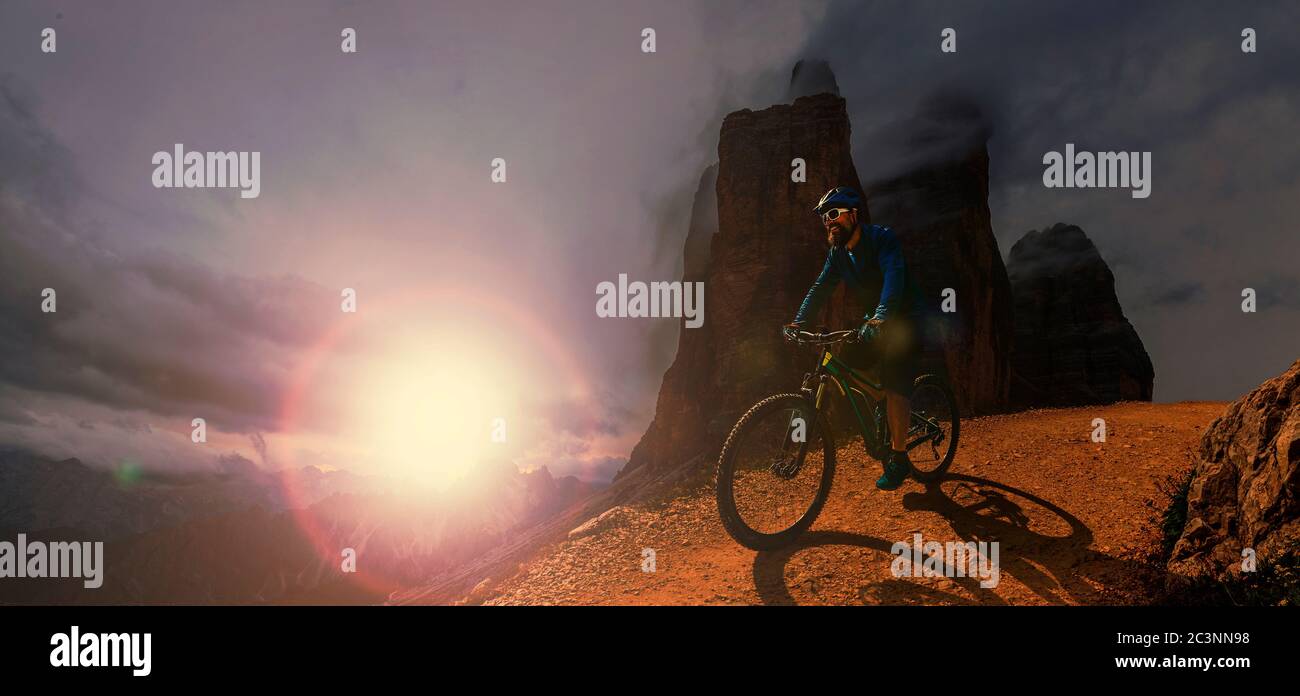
point(770, 583)
point(977, 509)
point(991, 510)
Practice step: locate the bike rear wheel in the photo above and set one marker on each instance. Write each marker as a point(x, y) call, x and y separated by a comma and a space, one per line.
point(935, 425)
point(775, 472)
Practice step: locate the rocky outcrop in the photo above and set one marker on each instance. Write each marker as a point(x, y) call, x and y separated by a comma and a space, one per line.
point(764, 256)
point(1245, 491)
point(768, 249)
point(940, 212)
point(1078, 347)
point(811, 77)
point(704, 224)
point(609, 518)
point(1073, 345)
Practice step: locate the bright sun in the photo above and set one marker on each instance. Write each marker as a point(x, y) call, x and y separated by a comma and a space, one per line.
point(428, 410)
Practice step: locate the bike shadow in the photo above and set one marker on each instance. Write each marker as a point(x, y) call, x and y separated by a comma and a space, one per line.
point(769, 574)
point(1055, 567)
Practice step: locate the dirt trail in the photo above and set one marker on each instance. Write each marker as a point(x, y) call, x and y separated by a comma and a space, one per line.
point(1068, 513)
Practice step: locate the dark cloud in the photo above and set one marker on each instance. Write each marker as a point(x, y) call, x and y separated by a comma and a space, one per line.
point(1180, 293)
point(944, 126)
point(1278, 292)
point(259, 445)
point(13, 413)
point(154, 331)
point(603, 414)
point(601, 468)
point(34, 167)
point(131, 425)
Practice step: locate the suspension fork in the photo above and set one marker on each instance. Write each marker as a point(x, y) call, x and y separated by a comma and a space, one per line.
point(817, 402)
point(790, 427)
point(790, 468)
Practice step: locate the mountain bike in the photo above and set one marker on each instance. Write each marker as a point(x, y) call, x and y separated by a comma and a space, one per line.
point(775, 470)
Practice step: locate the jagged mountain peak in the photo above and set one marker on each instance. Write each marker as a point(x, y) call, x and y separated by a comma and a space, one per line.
point(809, 77)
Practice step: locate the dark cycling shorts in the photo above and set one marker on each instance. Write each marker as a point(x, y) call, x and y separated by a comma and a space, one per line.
point(894, 355)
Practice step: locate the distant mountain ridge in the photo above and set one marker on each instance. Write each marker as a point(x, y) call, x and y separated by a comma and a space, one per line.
point(239, 538)
point(41, 493)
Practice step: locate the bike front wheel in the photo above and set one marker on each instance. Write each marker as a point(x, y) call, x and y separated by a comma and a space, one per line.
point(775, 472)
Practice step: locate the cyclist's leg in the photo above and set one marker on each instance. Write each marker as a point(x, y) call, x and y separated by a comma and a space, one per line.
point(862, 357)
point(899, 367)
point(875, 394)
point(899, 410)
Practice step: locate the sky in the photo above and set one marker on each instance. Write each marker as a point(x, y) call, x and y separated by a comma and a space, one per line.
point(475, 299)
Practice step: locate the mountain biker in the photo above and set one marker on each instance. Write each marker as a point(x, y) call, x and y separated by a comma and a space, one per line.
point(866, 257)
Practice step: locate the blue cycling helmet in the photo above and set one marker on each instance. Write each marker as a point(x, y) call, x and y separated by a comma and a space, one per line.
point(838, 197)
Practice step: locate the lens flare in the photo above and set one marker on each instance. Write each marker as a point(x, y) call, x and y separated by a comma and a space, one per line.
point(425, 386)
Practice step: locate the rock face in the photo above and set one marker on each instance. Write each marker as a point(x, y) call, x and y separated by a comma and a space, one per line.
point(767, 251)
point(811, 77)
point(940, 212)
point(1073, 345)
point(1245, 491)
point(704, 224)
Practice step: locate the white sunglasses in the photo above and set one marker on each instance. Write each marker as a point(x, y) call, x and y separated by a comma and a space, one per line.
point(834, 213)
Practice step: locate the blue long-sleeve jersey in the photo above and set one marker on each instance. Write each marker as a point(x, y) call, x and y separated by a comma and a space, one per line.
point(876, 261)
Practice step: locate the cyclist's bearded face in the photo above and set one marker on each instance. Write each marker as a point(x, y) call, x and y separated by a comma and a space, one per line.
point(840, 229)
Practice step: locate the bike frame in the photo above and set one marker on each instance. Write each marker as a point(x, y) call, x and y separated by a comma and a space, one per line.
point(847, 380)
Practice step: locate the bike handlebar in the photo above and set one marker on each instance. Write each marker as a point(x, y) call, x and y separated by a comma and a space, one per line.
point(819, 339)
